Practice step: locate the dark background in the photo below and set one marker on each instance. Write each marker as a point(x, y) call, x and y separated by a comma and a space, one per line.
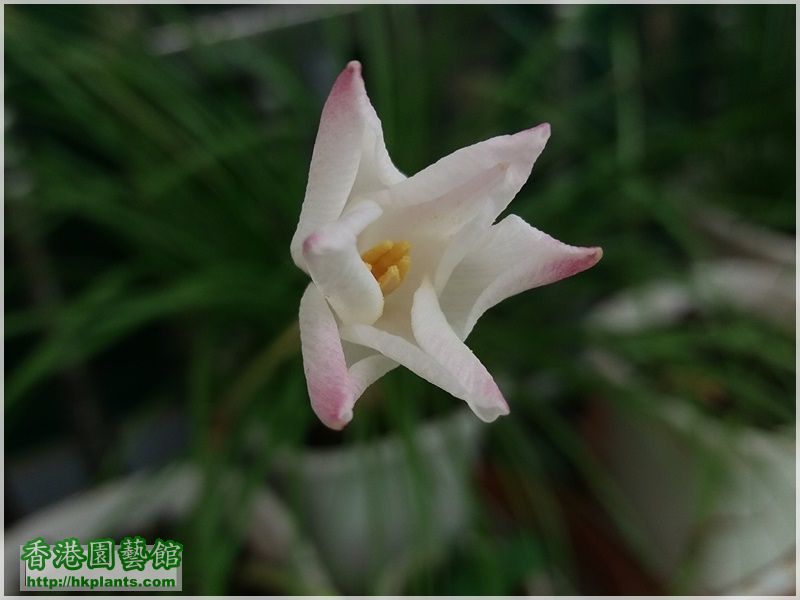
point(156, 159)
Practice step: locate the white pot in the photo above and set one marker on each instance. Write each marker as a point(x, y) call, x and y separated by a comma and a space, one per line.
point(136, 502)
point(374, 507)
point(716, 504)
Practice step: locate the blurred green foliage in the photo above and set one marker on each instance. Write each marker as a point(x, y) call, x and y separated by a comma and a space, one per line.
point(152, 190)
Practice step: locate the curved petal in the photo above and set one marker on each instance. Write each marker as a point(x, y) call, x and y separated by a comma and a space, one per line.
point(367, 371)
point(460, 244)
point(450, 192)
point(336, 267)
point(452, 367)
point(348, 153)
point(332, 387)
point(408, 354)
point(323, 361)
point(512, 258)
point(336, 156)
point(376, 171)
point(435, 336)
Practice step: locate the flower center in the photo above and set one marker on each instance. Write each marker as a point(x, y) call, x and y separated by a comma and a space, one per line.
point(388, 262)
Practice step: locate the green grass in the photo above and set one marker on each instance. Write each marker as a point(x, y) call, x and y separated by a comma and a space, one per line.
point(150, 201)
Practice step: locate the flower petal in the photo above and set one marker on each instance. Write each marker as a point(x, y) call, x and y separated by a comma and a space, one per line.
point(335, 160)
point(332, 387)
point(367, 371)
point(323, 361)
point(451, 365)
point(460, 244)
point(376, 171)
point(512, 258)
point(449, 193)
point(348, 153)
point(435, 336)
point(408, 354)
point(335, 266)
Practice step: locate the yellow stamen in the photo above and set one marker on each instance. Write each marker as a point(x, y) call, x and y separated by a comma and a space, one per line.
point(389, 263)
point(395, 253)
point(374, 253)
point(403, 265)
point(390, 280)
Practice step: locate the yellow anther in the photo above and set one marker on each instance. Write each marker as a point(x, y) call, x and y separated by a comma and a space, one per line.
point(389, 262)
point(374, 253)
point(390, 280)
point(395, 253)
point(403, 265)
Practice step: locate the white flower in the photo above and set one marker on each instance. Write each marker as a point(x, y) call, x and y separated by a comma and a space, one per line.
point(402, 268)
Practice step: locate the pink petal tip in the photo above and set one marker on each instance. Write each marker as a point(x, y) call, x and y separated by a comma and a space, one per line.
point(575, 264)
point(328, 403)
point(310, 243)
point(542, 129)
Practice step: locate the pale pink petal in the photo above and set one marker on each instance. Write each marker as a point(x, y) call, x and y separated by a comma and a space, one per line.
point(367, 371)
point(332, 387)
point(435, 336)
point(406, 353)
point(335, 266)
point(443, 197)
point(460, 244)
point(349, 152)
point(335, 160)
point(376, 171)
point(453, 367)
point(323, 361)
point(512, 258)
